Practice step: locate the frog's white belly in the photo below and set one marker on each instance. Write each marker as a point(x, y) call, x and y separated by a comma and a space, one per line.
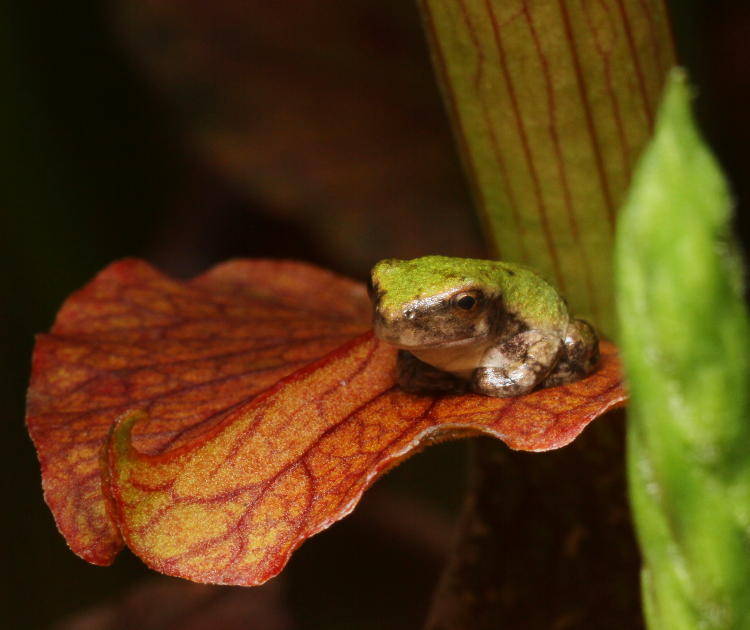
point(460, 359)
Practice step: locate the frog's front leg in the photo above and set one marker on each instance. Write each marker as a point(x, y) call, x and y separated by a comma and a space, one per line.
point(418, 377)
point(517, 365)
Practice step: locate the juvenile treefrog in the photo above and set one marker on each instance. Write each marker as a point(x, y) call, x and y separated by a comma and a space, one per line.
point(493, 327)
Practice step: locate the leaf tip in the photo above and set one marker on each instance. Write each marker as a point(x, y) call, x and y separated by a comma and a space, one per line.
point(120, 435)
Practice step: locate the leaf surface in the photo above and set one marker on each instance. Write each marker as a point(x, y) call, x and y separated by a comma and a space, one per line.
point(185, 353)
point(247, 410)
point(552, 101)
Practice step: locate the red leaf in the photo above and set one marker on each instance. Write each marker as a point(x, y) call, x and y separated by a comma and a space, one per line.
point(186, 353)
point(261, 414)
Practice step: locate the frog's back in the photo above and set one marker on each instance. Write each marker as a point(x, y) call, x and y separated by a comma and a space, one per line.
point(523, 292)
point(527, 295)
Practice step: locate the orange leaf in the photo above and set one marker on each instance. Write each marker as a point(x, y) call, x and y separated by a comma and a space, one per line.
point(186, 353)
point(248, 411)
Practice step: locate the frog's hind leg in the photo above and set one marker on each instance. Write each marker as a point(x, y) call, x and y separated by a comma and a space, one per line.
point(418, 377)
point(580, 354)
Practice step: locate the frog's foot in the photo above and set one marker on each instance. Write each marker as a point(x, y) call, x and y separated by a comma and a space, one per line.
point(580, 354)
point(518, 365)
point(418, 377)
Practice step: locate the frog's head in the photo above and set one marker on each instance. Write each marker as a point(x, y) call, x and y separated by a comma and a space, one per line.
point(433, 301)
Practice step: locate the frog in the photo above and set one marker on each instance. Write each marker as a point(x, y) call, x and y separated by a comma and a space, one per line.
point(466, 325)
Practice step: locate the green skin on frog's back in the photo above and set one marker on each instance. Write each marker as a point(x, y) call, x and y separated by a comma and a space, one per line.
point(493, 327)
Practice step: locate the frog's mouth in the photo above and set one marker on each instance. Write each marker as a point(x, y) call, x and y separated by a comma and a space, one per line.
point(436, 345)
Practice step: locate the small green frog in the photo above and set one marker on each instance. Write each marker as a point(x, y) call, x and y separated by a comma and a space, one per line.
point(493, 327)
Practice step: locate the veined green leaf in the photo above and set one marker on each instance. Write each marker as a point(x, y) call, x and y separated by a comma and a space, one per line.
point(552, 102)
point(685, 338)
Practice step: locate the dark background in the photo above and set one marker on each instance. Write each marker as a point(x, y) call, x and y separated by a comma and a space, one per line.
point(96, 165)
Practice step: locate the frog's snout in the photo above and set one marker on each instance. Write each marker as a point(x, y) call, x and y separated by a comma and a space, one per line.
point(380, 318)
point(384, 324)
point(372, 290)
point(379, 325)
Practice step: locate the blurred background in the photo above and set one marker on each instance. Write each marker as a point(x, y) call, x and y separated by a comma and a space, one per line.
point(192, 132)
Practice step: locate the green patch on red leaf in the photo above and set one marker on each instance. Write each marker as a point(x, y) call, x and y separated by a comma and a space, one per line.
point(216, 424)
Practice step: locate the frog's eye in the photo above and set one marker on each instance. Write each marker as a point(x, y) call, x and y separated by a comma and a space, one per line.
point(467, 300)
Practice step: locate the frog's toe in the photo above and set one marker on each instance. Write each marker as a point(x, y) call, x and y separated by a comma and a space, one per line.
point(501, 383)
point(580, 355)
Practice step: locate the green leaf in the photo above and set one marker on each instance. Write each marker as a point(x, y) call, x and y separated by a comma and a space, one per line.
point(552, 102)
point(685, 338)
